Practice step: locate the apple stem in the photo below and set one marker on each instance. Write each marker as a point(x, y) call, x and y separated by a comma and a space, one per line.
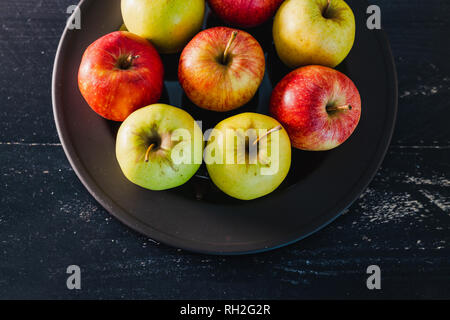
point(128, 62)
point(227, 48)
point(131, 58)
point(326, 8)
point(340, 108)
point(277, 128)
point(150, 147)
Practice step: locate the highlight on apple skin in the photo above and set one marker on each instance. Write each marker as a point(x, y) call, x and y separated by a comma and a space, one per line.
point(244, 13)
point(221, 68)
point(318, 106)
point(159, 147)
point(120, 73)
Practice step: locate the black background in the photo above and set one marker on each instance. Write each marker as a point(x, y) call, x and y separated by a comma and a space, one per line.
point(49, 221)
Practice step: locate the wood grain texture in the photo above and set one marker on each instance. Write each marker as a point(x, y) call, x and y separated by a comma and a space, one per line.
point(49, 221)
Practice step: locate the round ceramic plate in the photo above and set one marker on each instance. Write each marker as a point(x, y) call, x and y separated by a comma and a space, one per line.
point(197, 216)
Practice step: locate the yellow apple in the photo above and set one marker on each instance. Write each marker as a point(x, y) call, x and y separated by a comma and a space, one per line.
point(248, 155)
point(168, 24)
point(159, 147)
point(319, 32)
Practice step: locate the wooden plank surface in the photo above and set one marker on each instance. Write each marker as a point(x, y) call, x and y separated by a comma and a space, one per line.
point(49, 221)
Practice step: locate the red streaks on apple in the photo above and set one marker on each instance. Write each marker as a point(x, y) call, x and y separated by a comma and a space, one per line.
point(119, 73)
point(318, 106)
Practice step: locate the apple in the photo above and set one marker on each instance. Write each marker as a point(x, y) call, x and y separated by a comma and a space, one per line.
point(119, 73)
point(169, 25)
point(245, 13)
point(221, 68)
point(319, 107)
point(309, 32)
point(248, 155)
point(159, 147)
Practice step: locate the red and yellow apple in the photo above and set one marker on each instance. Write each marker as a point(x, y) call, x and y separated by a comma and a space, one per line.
point(318, 106)
point(221, 68)
point(119, 73)
point(245, 13)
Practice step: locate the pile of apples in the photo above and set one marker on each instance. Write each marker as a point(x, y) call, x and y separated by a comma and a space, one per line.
point(247, 156)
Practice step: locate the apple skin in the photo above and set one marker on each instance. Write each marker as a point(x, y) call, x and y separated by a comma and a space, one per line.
point(114, 92)
point(212, 85)
point(244, 13)
point(155, 124)
point(300, 103)
point(245, 181)
point(303, 36)
point(169, 25)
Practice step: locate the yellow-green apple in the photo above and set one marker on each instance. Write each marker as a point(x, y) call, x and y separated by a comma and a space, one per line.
point(159, 147)
point(248, 155)
point(319, 107)
point(245, 13)
point(168, 24)
point(119, 73)
point(313, 32)
point(221, 68)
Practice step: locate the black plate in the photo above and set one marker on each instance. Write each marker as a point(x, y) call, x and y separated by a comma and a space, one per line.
point(197, 216)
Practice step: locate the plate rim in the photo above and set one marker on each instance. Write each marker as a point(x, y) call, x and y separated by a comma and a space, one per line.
point(188, 244)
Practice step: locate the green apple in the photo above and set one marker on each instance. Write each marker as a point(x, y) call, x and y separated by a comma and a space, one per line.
point(248, 155)
point(313, 32)
point(159, 147)
point(168, 24)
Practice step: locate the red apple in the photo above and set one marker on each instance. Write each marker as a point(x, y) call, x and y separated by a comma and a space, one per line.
point(318, 106)
point(245, 13)
point(221, 68)
point(119, 73)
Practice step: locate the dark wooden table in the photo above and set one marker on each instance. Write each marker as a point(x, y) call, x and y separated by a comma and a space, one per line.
point(49, 221)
